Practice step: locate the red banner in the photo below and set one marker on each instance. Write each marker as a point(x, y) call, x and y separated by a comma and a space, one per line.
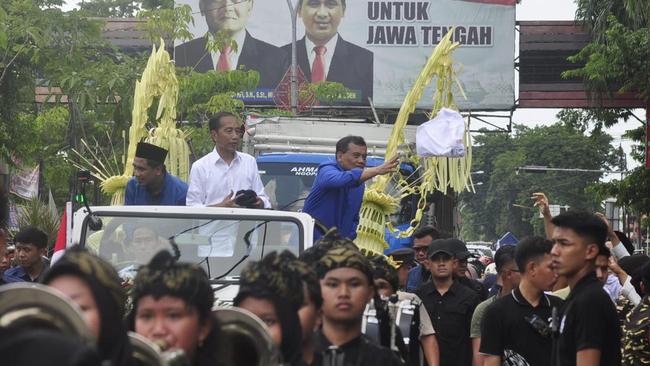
point(494, 2)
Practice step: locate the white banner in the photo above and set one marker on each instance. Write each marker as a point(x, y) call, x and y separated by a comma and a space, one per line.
point(14, 217)
point(375, 48)
point(24, 184)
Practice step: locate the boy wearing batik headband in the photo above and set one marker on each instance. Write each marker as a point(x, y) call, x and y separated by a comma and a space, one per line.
point(346, 287)
point(309, 312)
point(268, 289)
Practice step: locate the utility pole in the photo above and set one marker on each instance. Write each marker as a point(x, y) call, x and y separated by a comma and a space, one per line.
point(542, 169)
point(647, 135)
point(294, 57)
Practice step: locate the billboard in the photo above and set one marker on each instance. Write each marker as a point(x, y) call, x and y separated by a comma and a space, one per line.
point(375, 48)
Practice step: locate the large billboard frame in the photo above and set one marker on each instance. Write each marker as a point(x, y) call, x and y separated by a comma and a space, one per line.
point(506, 61)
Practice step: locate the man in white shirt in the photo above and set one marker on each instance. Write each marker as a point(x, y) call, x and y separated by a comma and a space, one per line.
point(217, 177)
point(230, 18)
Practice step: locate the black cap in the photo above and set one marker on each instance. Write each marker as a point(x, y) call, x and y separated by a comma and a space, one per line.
point(150, 152)
point(459, 249)
point(403, 256)
point(440, 246)
point(632, 264)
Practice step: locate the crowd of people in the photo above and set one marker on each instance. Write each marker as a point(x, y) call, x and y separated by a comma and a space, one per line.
point(574, 297)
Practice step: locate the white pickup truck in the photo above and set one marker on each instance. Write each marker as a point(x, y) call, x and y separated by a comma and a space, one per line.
point(220, 240)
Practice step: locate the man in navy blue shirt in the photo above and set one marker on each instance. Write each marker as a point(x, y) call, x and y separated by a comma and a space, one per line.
point(336, 196)
point(31, 248)
point(151, 184)
point(422, 238)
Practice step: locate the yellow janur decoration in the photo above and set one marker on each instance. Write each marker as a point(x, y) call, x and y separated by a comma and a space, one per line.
point(438, 173)
point(158, 81)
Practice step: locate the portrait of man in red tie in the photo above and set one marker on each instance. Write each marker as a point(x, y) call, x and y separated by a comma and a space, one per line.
point(231, 17)
point(324, 55)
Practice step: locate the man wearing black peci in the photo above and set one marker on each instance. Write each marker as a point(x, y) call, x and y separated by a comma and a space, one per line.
point(151, 184)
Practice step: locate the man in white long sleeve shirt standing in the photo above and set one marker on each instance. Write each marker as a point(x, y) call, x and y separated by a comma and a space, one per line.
point(216, 178)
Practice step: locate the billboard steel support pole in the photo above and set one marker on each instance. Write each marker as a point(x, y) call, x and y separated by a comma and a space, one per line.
point(647, 134)
point(294, 59)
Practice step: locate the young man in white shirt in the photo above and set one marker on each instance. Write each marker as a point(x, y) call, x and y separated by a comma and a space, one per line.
point(216, 178)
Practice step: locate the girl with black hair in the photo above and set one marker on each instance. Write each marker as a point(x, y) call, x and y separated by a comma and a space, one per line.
point(172, 305)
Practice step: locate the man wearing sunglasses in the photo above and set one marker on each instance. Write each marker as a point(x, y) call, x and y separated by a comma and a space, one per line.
point(422, 238)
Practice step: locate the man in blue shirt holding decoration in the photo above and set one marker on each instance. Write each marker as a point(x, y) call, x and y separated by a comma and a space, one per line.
point(151, 184)
point(336, 196)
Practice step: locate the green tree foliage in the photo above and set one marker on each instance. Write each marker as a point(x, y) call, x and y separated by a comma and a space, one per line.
point(167, 23)
point(203, 94)
point(502, 202)
point(327, 92)
point(109, 8)
point(93, 83)
point(48, 47)
point(36, 213)
point(622, 58)
point(632, 190)
point(619, 55)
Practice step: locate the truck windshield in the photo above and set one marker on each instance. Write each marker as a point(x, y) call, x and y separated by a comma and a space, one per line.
point(218, 245)
point(287, 184)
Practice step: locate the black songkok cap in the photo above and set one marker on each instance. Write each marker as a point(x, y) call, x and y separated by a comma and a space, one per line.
point(150, 152)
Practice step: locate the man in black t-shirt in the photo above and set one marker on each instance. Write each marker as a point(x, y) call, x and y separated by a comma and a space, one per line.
point(449, 304)
point(588, 327)
point(517, 326)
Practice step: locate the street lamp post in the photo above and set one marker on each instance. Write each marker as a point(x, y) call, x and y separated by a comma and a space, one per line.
point(542, 169)
point(294, 62)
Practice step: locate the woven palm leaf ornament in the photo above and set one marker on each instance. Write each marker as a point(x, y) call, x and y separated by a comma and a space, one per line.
point(158, 81)
point(436, 173)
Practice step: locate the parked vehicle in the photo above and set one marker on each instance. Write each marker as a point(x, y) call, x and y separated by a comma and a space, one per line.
point(220, 240)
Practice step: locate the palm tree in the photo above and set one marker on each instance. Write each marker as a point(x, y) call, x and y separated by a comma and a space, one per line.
point(594, 13)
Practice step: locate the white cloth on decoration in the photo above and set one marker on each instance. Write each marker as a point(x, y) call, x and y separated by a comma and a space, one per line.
point(441, 136)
